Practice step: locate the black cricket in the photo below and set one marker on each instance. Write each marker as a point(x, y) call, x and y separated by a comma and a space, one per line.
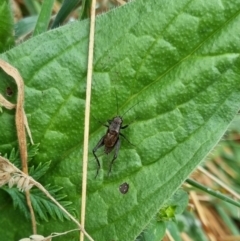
point(111, 140)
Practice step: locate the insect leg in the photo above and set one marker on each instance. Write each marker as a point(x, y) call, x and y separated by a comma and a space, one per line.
point(117, 147)
point(126, 139)
point(100, 144)
point(100, 122)
point(123, 127)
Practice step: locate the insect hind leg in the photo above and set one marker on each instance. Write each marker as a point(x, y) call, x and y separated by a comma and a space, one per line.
point(117, 147)
point(99, 144)
point(123, 127)
point(126, 139)
point(100, 122)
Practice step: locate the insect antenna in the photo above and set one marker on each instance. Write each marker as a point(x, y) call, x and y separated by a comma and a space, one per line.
point(130, 108)
point(116, 99)
point(99, 121)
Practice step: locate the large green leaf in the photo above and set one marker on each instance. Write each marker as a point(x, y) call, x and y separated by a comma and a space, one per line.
point(178, 61)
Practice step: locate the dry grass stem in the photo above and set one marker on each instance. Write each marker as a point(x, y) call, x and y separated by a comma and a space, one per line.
point(230, 238)
point(5, 103)
point(87, 114)
point(199, 209)
point(168, 236)
point(37, 237)
point(19, 117)
point(215, 179)
point(20, 121)
point(11, 175)
point(185, 237)
point(121, 2)
point(53, 235)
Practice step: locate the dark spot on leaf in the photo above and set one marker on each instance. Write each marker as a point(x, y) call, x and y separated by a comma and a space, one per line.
point(9, 91)
point(123, 188)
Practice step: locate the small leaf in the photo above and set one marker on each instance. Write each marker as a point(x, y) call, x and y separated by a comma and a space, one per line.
point(19, 201)
point(173, 229)
point(155, 231)
point(6, 26)
point(40, 170)
point(32, 151)
point(43, 207)
point(25, 26)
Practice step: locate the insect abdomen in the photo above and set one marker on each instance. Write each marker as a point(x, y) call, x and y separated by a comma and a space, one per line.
point(110, 141)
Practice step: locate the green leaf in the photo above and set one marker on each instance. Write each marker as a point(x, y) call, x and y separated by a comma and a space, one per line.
point(40, 170)
point(155, 231)
point(44, 17)
point(46, 208)
point(172, 207)
point(6, 26)
point(25, 26)
point(67, 7)
point(32, 151)
point(19, 200)
point(43, 207)
point(191, 227)
point(179, 60)
point(14, 157)
point(173, 229)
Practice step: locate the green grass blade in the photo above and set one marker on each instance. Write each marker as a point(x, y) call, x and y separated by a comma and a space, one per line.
point(44, 17)
point(67, 7)
point(229, 222)
point(32, 6)
point(214, 193)
point(6, 26)
point(85, 9)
